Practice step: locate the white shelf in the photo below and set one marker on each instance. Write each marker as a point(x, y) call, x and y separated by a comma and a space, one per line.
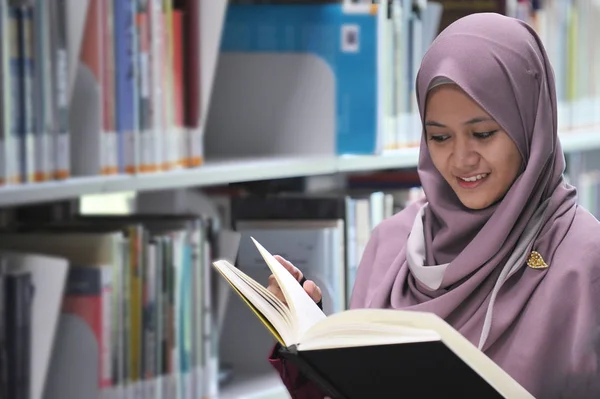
point(212, 173)
point(257, 386)
point(404, 158)
point(581, 139)
point(241, 170)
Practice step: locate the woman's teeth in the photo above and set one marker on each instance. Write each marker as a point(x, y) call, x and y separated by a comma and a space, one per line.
point(474, 178)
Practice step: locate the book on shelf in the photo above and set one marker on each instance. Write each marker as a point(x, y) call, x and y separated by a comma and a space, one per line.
point(362, 353)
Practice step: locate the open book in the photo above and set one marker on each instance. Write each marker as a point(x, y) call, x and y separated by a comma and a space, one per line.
point(363, 353)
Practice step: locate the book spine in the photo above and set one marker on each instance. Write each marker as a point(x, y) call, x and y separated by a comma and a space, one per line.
point(18, 299)
point(16, 125)
point(27, 61)
point(88, 295)
point(156, 83)
point(178, 90)
point(109, 136)
point(294, 357)
point(147, 160)
point(59, 62)
point(149, 321)
point(43, 94)
point(6, 121)
point(126, 80)
point(193, 80)
point(170, 139)
point(4, 369)
point(135, 303)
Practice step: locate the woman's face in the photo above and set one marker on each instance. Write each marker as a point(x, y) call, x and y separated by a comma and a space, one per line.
point(477, 158)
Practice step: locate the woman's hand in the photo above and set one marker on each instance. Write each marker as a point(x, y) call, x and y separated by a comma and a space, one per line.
point(309, 286)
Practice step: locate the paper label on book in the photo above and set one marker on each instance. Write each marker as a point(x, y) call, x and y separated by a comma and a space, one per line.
point(168, 390)
point(188, 380)
point(119, 392)
point(196, 146)
point(199, 382)
point(357, 8)
point(163, 386)
point(158, 387)
point(139, 390)
point(174, 134)
point(62, 155)
point(213, 380)
point(173, 385)
point(389, 133)
point(14, 156)
point(49, 156)
point(150, 388)
point(62, 80)
point(180, 148)
point(130, 154)
point(157, 147)
point(41, 163)
point(350, 38)
point(127, 391)
point(146, 151)
point(109, 393)
point(132, 390)
point(403, 137)
point(144, 75)
point(4, 160)
point(30, 159)
point(109, 148)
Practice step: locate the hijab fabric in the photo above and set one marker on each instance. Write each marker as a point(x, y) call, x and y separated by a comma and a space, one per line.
point(501, 64)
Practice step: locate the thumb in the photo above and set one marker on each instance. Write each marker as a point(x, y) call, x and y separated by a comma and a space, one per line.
point(312, 290)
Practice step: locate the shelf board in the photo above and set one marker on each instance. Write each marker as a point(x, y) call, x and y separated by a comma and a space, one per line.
point(581, 139)
point(241, 170)
point(212, 173)
point(403, 158)
point(255, 386)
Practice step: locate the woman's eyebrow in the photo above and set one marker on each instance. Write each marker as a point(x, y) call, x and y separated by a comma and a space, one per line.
point(433, 123)
point(469, 122)
point(477, 120)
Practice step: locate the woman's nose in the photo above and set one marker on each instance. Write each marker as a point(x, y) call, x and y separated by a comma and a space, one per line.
point(465, 155)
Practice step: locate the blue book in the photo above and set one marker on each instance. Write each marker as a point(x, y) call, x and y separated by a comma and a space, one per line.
point(346, 41)
point(126, 115)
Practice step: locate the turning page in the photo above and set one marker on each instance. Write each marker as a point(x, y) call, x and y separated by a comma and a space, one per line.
point(305, 311)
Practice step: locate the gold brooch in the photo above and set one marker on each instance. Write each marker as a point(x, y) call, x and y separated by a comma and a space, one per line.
point(536, 261)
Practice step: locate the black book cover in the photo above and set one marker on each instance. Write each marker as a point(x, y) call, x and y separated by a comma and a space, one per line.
point(3, 340)
point(411, 370)
point(18, 308)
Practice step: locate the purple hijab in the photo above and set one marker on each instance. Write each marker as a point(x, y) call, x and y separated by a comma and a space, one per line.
point(544, 324)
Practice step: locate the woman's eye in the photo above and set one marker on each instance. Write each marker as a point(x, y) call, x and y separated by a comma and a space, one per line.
point(438, 137)
point(484, 135)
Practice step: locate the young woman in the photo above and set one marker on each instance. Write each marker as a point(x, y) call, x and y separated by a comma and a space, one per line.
point(499, 248)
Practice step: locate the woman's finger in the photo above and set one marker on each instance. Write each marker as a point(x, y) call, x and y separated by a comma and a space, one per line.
point(275, 289)
point(290, 267)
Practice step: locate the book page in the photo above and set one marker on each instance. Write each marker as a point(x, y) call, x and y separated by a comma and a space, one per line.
point(305, 311)
point(264, 309)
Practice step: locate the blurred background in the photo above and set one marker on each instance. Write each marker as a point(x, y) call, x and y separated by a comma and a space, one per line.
point(142, 139)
